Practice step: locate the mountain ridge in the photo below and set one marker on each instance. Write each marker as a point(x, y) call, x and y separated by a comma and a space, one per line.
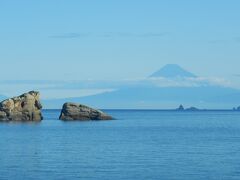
point(158, 97)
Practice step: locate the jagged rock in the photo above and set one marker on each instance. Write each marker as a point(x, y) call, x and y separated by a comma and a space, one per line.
point(74, 111)
point(180, 108)
point(26, 107)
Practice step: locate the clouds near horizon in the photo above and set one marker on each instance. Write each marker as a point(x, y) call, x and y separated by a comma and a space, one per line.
point(66, 89)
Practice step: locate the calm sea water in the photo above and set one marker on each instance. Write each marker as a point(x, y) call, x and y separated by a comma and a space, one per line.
point(138, 145)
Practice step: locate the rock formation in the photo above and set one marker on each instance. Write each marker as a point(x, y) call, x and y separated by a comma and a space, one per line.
point(74, 111)
point(192, 109)
point(26, 107)
point(180, 108)
point(236, 108)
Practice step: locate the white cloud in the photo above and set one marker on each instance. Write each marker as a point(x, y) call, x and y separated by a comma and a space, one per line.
point(70, 93)
point(49, 90)
point(190, 82)
point(65, 89)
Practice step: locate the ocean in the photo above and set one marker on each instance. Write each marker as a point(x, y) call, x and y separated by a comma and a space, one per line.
point(139, 144)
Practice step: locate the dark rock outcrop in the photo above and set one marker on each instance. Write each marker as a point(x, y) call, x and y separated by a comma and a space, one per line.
point(74, 111)
point(26, 107)
point(236, 108)
point(192, 109)
point(180, 108)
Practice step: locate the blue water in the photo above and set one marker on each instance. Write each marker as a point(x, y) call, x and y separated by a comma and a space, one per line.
point(138, 145)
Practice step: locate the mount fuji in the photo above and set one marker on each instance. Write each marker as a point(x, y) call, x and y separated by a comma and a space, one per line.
point(164, 89)
point(173, 71)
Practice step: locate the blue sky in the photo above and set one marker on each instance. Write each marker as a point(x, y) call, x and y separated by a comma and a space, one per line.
point(114, 40)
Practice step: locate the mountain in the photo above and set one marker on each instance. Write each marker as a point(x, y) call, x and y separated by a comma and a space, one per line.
point(161, 93)
point(173, 71)
point(158, 97)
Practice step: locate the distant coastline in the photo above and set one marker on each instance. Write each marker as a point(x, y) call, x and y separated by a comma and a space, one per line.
point(144, 109)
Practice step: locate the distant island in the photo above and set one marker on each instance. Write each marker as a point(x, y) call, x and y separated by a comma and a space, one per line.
point(236, 108)
point(181, 108)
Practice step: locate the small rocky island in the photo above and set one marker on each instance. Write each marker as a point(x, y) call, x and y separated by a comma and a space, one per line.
point(26, 107)
point(74, 111)
point(236, 109)
point(181, 108)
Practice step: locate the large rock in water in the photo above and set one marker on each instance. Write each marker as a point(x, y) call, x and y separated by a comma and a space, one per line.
point(74, 111)
point(26, 107)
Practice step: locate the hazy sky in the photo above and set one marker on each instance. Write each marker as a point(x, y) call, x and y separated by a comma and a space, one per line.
point(107, 39)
